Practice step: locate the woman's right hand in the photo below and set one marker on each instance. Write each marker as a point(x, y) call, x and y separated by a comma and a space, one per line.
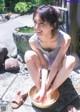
point(39, 96)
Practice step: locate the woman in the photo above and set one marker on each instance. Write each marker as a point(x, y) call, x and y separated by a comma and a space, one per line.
point(48, 55)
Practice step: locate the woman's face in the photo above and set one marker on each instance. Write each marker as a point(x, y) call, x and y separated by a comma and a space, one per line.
point(42, 29)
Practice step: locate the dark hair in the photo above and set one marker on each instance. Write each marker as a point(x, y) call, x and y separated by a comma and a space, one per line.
point(49, 14)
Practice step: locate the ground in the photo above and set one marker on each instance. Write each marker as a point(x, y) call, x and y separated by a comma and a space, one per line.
point(11, 83)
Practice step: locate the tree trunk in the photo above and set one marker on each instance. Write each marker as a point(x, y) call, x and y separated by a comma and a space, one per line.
point(73, 26)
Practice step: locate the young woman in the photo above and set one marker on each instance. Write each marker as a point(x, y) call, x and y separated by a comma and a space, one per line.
point(48, 55)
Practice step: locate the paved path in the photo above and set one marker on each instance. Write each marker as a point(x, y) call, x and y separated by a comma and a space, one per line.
point(11, 83)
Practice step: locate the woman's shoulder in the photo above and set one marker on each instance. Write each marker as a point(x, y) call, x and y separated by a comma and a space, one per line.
point(65, 38)
point(64, 35)
point(62, 32)
point(34, 39)
point(33, 36)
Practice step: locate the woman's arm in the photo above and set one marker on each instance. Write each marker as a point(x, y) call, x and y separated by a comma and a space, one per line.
point(58, 60)
point(44, 63)
point(44, 70)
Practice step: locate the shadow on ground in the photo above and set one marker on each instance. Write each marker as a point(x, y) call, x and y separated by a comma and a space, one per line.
point(67, 95)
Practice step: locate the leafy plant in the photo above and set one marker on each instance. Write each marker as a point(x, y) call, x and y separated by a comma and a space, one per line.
point(22, 7)
point(26, 29)
point(1, 1)
point(1, 6)
point(40, 2)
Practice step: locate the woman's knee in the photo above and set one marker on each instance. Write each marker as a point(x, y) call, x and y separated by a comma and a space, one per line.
point(69, 62)
point(30, 56)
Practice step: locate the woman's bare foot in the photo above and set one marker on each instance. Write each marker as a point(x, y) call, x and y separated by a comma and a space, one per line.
point(71, 108)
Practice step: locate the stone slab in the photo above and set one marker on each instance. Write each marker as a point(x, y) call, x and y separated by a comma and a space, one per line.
point(69, 91)
point(21, 83)
point(26, 20)
point(26, 108)
point(5, 81)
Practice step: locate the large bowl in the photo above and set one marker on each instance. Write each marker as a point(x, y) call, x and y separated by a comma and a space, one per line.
point(48, 102)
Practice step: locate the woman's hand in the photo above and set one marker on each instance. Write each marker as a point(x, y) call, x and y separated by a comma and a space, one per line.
point(49, 93)
point(39, 96)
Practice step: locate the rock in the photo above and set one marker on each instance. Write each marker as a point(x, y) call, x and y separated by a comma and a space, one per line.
point(11, 65)
point(7, 17)
point(3, 54)
point(20, 57)
point(22, 40)
point(4, 49)
point(1, 57)
point(14, 54)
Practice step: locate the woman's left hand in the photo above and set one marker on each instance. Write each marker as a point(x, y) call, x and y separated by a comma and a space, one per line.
point(49, 93)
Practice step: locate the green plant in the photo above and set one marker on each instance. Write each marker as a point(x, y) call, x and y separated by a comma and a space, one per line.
point(26, 29)
point(2, 6)
point(1, 1)
point(22, 7)
point(40, 2)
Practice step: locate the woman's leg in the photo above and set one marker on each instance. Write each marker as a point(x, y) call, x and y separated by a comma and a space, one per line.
point(65, 70)
point(33, 64)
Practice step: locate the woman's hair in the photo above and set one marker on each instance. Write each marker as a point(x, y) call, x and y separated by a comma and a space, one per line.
point(48, 14)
